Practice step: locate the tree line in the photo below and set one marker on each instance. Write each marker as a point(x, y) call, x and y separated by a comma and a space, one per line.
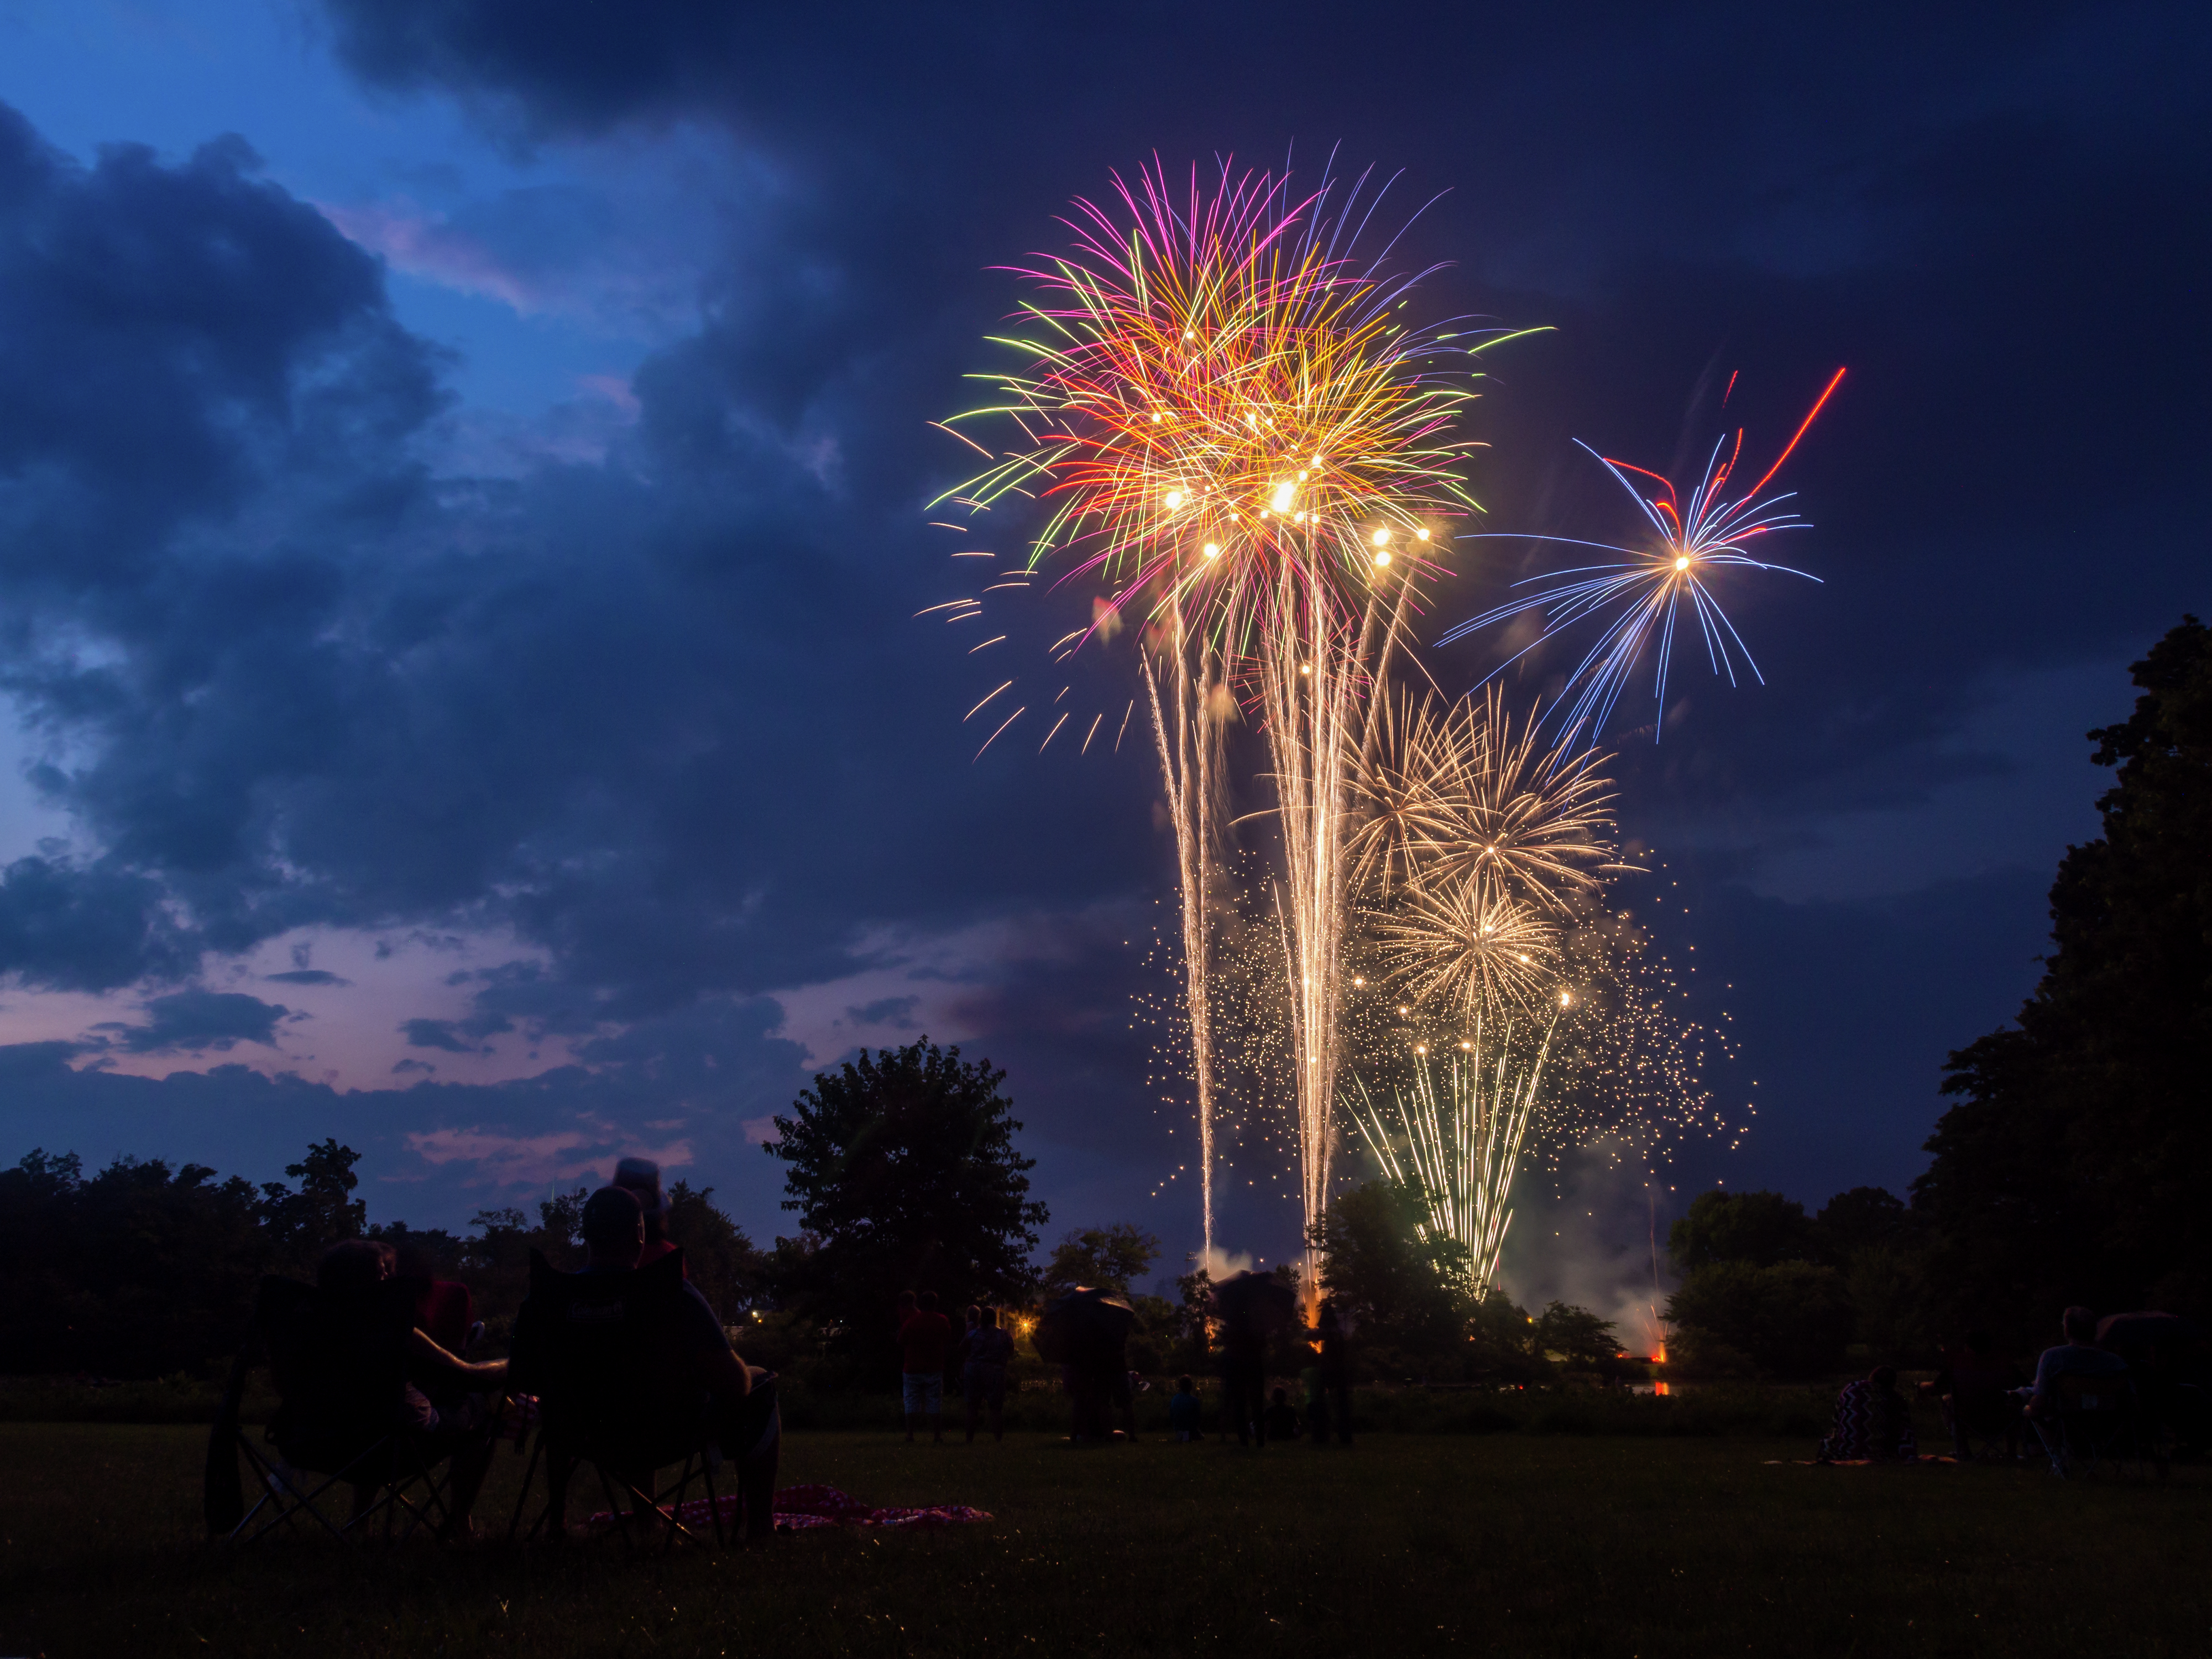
point(2068, 1170)
point(2072, 1168)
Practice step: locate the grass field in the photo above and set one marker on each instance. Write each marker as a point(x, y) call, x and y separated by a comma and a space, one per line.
point(1513, 1544)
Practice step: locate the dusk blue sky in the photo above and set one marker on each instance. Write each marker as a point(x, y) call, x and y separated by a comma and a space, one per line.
point(461, 481)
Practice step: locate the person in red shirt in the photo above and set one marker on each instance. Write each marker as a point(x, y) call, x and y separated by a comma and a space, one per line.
point(924, 1334)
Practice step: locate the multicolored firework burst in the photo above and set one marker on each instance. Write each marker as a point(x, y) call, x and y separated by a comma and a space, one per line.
point(1693, 538)
point(1250, 452)
point(1234, 442)
point(1226, 414)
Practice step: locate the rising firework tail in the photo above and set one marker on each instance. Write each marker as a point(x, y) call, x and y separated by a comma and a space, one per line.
point(1452, 1135)
point(1237, 438)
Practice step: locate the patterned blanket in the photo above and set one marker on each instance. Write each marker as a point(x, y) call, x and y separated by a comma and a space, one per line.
point(798, 1508)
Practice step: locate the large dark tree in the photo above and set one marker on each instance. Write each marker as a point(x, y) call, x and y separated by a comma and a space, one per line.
point(1110, 1258)
point(2073, 1166)
point(1402, 1285)
point(1757, 1229)
point(902, 1167)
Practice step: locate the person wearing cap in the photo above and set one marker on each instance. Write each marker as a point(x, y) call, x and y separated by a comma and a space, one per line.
point(641, 1178)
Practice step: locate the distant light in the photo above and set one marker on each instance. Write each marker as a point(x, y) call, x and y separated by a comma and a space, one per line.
point(1213, 550)
point(1305, 668)
point(1683, 562)
point(1564, 1000)
point(1175, 500)
point(1422, 534)
point(1383, 537)
point(1381, 558)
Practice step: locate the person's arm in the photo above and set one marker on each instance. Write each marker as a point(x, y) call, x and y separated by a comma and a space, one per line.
point(726, 1374)
point(2039, 1402)
point(422, 1346)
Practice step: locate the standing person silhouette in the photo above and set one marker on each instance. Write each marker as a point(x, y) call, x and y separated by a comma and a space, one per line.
point(1244, 1379)
point(924, 1334)
point(988, 1350)
point(1336, 1370)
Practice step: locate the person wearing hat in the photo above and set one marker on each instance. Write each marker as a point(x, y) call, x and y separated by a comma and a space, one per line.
point(641, 1178)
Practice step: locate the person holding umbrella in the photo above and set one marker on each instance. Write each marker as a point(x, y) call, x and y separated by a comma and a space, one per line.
point(1250, 1307)
point(1086, 1334)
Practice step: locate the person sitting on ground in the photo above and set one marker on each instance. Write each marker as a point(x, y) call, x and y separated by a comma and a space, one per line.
point(1183, 1412)
point(452, 1425)
point(1873, 1424)
point(641, 1178)
point(924, 1334)
point(1279, 1421)
point(1975, 1390)
point(986, 1354)
point(743, 1418)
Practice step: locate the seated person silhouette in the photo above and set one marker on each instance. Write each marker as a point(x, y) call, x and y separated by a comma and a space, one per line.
point(690, 1365)
point(2078, 1356)
point(351, 1276)
point(1873, 1424)
point(640, 1177)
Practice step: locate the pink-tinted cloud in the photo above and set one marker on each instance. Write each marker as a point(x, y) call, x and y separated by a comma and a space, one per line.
point(423, 245)
point(563, 1155)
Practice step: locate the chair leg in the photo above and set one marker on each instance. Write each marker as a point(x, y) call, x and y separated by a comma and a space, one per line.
point(537, 1447)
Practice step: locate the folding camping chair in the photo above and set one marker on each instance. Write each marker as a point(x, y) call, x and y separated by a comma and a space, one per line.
point(2096, 1421)
point(592, 1348)
point(339, 1363)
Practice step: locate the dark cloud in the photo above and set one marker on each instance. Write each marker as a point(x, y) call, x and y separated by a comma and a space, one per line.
point(307, 976)
point(437, 1034)
point(666, 716)
point(198, 1021)
point(68, 929)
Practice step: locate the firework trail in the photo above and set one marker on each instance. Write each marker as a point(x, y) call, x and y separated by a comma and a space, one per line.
point(1456, 1149)
point(1483, 858)
point(1471, 845)
point(1647, 591)
point(1240, 442)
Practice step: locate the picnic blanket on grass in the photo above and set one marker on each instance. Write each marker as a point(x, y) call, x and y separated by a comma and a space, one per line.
point(1855, 1462)
point(798, 1508)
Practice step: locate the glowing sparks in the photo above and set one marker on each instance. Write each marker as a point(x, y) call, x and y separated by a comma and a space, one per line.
point(1456, 1148)
point(1185, 357)
point(1182, 364)
point(1644, 594)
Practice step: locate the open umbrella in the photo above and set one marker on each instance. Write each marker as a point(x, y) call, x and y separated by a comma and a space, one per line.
point(1085, 1327)
point(2150, 1340)
point(1255, 1304)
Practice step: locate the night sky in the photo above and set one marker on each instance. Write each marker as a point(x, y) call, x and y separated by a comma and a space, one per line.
point(462, 466)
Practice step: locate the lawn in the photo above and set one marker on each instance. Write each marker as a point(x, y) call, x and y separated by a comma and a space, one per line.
point(1518, 1544)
